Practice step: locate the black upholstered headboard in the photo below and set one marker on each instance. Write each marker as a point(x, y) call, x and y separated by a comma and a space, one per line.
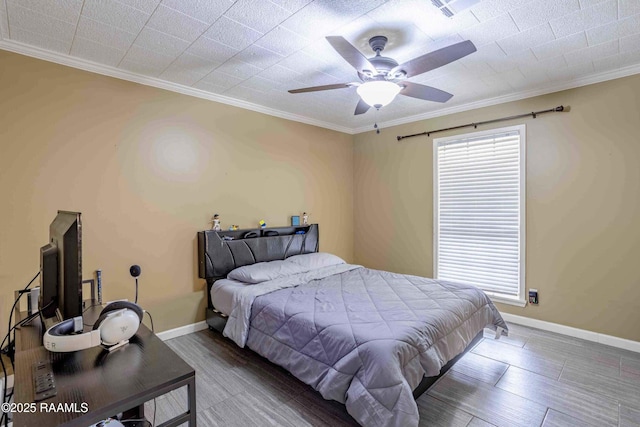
point(217, 257)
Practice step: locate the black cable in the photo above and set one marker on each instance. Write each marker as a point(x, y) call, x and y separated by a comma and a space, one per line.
point(21, 323)
point(14, 306)
point(4, 369)
point(14, 327)
point(10, 351)
point(5, 416)
point(136, 301)
point(6, 397)
point(151, 318)
point(25, 320)
point(20, 296)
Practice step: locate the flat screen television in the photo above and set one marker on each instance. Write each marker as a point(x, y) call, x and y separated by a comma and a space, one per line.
point(61, 269)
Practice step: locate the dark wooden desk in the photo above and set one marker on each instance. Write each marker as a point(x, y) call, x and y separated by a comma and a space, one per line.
point(109, 383)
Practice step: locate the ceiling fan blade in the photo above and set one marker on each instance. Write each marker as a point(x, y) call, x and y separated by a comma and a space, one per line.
point(319, 88)
point(427, 93)
point(361, 108)
point(350, 53)
point(435, 59)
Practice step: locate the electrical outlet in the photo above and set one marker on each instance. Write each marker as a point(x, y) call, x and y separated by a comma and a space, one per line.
point(533, 296)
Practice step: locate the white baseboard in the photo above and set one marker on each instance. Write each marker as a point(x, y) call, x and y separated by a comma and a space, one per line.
point(574, 332)
point(182, 330)
point(520, 320)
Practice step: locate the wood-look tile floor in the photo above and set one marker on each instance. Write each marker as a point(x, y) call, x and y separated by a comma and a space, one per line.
point(531, 378)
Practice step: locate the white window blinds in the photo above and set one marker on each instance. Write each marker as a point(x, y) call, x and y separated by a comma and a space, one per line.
point(479, 210)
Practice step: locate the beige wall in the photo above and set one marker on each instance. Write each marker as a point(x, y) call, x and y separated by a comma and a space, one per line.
point(583, 203)
point(147, 168)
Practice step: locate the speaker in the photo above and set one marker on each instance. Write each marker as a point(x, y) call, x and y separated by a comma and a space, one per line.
point(117, 322)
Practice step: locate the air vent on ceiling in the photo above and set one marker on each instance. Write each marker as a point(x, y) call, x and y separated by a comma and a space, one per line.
point(451, 7)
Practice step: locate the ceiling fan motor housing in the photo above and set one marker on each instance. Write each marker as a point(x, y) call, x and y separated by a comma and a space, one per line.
point(382, 64)
point(378, 43)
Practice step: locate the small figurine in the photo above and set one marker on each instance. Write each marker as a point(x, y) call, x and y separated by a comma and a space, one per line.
point(215, 223)
point(234, 227)
point(305, 218)
point(262, 224)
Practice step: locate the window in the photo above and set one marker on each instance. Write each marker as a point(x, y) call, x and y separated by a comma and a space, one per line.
point(479, 212)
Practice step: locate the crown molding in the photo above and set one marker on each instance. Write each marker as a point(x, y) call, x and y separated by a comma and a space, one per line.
point(583, 81)
point(94, 67)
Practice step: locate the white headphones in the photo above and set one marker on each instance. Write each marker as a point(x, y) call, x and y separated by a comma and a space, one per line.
point(117, 322)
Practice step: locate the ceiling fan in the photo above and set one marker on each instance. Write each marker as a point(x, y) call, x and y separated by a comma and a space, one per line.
point(382, 78)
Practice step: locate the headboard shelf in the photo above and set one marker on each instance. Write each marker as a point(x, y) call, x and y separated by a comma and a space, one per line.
point(217, 256)
point(262, 232)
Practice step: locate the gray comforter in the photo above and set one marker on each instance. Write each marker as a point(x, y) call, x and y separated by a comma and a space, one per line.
point(365, 337)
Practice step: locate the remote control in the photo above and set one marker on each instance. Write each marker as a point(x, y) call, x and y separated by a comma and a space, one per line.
point(43, 381)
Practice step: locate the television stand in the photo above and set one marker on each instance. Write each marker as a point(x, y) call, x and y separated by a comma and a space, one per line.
point(108, 383)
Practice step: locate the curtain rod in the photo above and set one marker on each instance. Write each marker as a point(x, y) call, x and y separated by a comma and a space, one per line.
point(533, 114)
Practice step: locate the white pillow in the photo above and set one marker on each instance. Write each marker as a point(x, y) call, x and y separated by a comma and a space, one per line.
point(315, 260)
point(264, 271)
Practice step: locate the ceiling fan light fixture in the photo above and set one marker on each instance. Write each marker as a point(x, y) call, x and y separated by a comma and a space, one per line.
point(378, 93)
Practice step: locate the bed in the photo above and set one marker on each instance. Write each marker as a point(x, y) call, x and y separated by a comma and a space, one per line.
point(372, 340)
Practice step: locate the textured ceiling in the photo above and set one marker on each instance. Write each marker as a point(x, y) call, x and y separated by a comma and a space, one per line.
point(250, 52)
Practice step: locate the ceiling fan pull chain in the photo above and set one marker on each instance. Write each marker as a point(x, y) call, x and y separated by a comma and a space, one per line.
point(375, 124)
